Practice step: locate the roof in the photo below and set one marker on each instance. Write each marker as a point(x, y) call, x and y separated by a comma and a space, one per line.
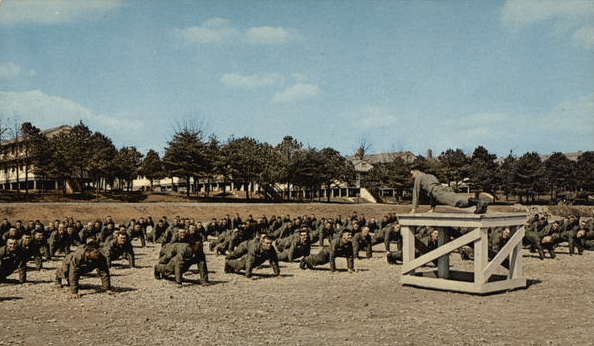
point(49, 133)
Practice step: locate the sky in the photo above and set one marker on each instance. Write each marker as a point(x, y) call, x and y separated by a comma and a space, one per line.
point(393, 75)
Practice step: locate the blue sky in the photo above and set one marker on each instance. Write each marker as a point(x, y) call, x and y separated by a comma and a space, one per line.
point(398, 75)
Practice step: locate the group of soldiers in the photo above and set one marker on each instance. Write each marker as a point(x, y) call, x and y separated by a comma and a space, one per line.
point(246, 244)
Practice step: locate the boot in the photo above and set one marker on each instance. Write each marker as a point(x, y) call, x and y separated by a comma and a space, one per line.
point(481, 206)
point(551, 250)
point(540, 252)
point(579, 246)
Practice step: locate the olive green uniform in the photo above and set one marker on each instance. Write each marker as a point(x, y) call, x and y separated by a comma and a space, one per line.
point(329, 254)
point(11, 262)
point(436, 191)
point(77, 263)
point(178, 258)
point(253, 258)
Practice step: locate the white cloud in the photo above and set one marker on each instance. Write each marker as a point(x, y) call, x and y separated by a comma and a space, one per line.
point(517, 14)
point(9, 69)
point(297, 92)
point(212, 30)
point(585, 36)
point(233, 80)
point(55, 12)
point(45, 111)
point(267, 34)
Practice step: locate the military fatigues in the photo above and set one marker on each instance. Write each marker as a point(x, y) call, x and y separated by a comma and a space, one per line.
point(32, 253)
point(436, 191)
point(77, 263)
point(113, 251)
point(362, 242)
point(178, 258)
point(386, 235)
point(11, 262)
point(60, 242)
point(329, 254)
point(254, 257)
point(295, 250)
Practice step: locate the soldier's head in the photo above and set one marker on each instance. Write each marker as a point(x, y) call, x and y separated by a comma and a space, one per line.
point(196, 245)
point(13, 232)
point(182, 233)
point(26, 239)
point(38, 235)
point(70, 229)
point(5, 221)
point(556, 225)
point(266, 242)
point(19, 223)
point(415, 172)
point(506, 233)
point(122, 238)
point(434, 234)
point(304, 235)
point(12, 244)
point(92, 250)
point(346, 237)
point(396, 228)
point(365, 231)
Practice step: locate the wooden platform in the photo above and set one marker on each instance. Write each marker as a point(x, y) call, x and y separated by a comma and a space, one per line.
point(482, 280)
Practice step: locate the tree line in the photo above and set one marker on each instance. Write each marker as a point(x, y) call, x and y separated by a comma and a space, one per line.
point(82, 156)
point(526, 177)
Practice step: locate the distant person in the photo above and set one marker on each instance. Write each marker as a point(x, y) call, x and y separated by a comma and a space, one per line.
point(443, 194)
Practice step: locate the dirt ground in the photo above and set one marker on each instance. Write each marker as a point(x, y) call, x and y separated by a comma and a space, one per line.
point(369, 307)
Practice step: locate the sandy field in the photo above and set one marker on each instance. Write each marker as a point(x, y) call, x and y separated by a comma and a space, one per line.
point(302, 307)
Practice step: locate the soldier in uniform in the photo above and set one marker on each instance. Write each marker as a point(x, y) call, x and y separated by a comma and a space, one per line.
point(339, 247)
point(31, 250)
point(387, 234)
point(179, 257)
point(59, 241)
point(256, 255)
point(443, 194)
point(299, 246)
point(137, 231)
point(362, 240)
point(85, 259)
point(42, 244)
point(119, 247)
point(13, 258)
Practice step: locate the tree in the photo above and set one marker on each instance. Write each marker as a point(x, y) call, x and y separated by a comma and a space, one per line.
point(186, 155)
point(334, 168)
point(288, 148)
point(585, 171)
point(151, 167)
point(127, 164)
point(453, 166)
point(103, 154)
point(245, 159)
point(483, 169)
point(559, 171)
point(528, 176)
point(505, 175)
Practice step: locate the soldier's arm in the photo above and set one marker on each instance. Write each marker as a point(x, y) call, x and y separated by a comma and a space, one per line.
point(202, 268)
point(350, 259)
point(273, 260)
point(22, 269)
point(103, 272)
point(131, 257)
point(332, 251)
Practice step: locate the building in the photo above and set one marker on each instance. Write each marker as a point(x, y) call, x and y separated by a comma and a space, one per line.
point(15, 171)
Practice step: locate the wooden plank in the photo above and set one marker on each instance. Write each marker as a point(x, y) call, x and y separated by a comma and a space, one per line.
point(505, 251)
point(408, 245)
point(443, 264)
point(443, 284)
point(481, 255)
point(503, 285)
point(409, 266)
point(466, 220)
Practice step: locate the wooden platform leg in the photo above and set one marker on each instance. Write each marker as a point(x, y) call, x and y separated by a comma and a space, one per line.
point(481, 255)
point(443, 263)
point(408, 245)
